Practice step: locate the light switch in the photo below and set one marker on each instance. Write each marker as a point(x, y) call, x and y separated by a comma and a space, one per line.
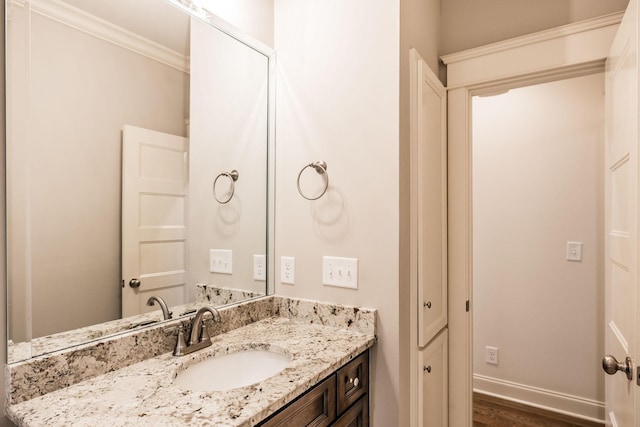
point(341, 272)
point(221, 261)
point(574, 251)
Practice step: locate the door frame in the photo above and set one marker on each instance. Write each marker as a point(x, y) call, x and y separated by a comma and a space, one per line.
point(537, 58)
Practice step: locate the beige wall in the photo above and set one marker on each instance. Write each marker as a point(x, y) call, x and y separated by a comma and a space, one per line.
point(538, 183)
point(228, 131)
point(466, 24)
point(337, 100)
point(82, 91)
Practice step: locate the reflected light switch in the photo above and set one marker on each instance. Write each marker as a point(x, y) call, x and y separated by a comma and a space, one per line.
point(574, 251)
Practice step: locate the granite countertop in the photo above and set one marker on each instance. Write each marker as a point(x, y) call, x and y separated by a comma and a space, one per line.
point(143, 395)
point(216, 295)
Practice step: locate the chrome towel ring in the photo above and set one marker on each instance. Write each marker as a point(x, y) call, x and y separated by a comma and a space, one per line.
point(321, 168)
point(233, 177)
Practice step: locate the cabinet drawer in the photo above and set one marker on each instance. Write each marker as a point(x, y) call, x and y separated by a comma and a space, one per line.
point(316, 408)
point(353, 381)
point(356, 416)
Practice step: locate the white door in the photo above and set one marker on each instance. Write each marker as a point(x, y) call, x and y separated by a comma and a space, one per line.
point(154, 230)
point(621, 221)
point(432, 204)
point(429, 245)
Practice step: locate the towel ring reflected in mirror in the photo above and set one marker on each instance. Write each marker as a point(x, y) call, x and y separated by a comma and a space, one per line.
point(233, 177)
point(321, 168)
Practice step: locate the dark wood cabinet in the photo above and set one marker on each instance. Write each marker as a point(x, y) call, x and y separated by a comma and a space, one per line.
point(340, 400)
point(355, 416)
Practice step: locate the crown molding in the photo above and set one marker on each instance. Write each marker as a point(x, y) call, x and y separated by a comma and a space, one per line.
point(541, 36)
point(75, 18)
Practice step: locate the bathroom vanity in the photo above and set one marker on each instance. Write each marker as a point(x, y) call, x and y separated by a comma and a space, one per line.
point(342, 399)
point(326, 378)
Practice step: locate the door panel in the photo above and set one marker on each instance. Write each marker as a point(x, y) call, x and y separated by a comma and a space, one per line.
point(621, 217)
point(433, 390)
point(432, 205)
point(154, 230)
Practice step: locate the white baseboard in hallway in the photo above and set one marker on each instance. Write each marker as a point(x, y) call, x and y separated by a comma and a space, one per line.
point(566, 404)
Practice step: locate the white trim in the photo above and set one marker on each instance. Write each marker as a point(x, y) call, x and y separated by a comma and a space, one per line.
point(414, 405)
point(541, 36)
point(571, 45)
point(75, 18)
point(562, 403)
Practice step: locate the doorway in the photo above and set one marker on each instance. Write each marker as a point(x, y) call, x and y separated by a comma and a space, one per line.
point(537, 156)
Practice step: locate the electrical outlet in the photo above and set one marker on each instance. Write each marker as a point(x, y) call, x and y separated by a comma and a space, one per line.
point(491, 355)
point(341, 272)
point(259, 267)
point(287, 270)
point(221, 261)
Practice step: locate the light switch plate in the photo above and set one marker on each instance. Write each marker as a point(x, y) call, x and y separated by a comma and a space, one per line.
point(259, 267)
point(221, 261)
point(574, 251)
point(341, 272)
point(287, 270)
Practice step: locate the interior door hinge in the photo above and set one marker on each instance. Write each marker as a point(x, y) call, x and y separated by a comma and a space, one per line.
point(467, 306)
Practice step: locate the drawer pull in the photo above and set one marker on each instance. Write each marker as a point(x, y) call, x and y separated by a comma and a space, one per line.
point(427, 304)
point(427, 369)
point(355, 381)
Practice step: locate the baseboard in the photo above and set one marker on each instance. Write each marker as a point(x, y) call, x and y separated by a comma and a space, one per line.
point(566, 404)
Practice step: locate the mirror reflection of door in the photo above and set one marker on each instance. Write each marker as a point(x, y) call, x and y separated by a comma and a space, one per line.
point(155, 182)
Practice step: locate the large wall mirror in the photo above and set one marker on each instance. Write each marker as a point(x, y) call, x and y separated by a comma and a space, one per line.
point(121, 116)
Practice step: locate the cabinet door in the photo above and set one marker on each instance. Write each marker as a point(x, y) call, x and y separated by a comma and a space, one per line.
point(316, 408)
point(353, 381)
point(432, 204)
point(356, 416)
point(433, 386)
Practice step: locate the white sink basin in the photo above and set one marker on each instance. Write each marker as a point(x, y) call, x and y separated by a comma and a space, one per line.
point(231, 370)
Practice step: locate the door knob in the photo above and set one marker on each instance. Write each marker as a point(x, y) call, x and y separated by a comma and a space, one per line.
point(134, 283)
point(611, 366)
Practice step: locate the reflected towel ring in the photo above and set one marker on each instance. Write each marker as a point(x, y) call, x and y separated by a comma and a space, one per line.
point(233, 177)
point(321, 168)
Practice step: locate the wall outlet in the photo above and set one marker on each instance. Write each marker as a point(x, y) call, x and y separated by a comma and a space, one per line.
point(259, 267)
point(287, 270)
point(341, 272)
point(221, 261)
point(491, 355)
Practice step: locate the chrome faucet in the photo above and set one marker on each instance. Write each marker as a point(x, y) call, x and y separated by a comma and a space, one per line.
point(199, 337)
point(166, 314)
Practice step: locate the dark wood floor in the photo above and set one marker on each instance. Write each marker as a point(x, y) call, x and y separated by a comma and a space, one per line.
point(495, 412)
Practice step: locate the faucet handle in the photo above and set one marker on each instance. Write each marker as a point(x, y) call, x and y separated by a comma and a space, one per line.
point(181, 345)
point(204, 333)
